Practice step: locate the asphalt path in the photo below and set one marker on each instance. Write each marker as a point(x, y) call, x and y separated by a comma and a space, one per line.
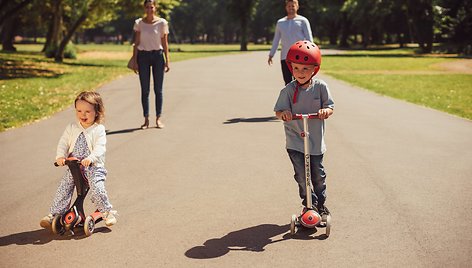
point(215, 187)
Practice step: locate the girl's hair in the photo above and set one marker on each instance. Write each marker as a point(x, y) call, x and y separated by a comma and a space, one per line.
point(96, 100)
point(288, 1)
point(150, 1)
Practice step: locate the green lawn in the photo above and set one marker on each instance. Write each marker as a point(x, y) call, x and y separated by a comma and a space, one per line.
point(399, 74)
point(33, 87)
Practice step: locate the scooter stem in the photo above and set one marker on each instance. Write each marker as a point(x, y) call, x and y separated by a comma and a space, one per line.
point(306, 143)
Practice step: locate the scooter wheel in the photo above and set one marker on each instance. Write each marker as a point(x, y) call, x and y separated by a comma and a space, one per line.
point(89, 226)
point(56, 225)
point(328, 225)
point(293, 226)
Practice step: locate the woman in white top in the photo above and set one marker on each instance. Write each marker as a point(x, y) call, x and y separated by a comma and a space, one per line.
point(151, 51)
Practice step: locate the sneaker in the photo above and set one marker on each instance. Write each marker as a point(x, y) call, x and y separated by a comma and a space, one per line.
point(46, 221)
point(109, 217)
point(323, 210)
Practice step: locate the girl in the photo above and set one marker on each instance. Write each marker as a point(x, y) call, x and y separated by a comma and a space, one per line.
point(151, 49)
point(86, 140)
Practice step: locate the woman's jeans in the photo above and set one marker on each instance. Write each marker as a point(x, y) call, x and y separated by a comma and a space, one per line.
point(318, 176)
point(146, 60)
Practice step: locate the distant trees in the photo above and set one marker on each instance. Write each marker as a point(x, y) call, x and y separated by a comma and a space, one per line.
point(337, 22)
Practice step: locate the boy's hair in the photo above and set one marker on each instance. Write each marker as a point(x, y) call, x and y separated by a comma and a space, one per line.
point(288, 1)
point(96, 100)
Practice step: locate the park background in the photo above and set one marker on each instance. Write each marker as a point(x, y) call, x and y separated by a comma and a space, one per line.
point(416, 50)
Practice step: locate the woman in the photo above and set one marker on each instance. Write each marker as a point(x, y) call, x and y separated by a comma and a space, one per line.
point(151, 51)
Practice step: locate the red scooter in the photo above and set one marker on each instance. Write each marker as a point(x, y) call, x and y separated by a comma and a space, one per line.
point(75, 216)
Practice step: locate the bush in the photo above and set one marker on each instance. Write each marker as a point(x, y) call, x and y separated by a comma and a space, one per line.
point(70, 52)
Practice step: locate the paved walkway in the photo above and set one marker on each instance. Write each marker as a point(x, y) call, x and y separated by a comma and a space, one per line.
point(215, 187)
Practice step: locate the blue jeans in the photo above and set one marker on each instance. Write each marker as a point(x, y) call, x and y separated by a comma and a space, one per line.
point(146, 60)
point(318, 176)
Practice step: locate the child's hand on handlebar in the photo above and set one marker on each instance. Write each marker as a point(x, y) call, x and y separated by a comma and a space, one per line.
point(86, 162)
point(286, 115)
point(61, 161)
point(324, 113)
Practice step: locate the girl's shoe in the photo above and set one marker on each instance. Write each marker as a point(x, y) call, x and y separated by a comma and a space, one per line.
point(46, 221)
point(109, 217)
point(159, 123)
point(146, 123)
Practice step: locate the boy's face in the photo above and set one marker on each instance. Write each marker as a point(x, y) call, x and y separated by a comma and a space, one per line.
point(302, 72)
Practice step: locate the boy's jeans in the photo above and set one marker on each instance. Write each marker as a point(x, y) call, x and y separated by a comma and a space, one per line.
point(146, 60)
point(318, 176)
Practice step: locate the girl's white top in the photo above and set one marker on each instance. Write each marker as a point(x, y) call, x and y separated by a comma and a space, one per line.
point(96, 142)
point(151, 33)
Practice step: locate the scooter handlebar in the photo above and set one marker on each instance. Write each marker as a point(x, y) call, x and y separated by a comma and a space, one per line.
point(309, 116)
point(68, 161)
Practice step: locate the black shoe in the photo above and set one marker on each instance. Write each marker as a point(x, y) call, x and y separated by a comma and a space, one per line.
point(323, 210)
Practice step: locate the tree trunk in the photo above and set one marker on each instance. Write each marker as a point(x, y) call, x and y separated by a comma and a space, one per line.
point(421, 20)
point(244, 31)
point(8, 33)
point(344, 31)
point(56, 30)
point(59, 57)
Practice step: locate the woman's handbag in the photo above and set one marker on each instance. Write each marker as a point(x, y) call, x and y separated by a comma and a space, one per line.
point(132, 64)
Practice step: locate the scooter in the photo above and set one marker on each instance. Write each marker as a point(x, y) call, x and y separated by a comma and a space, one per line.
point(75, 216)
point(309, 218)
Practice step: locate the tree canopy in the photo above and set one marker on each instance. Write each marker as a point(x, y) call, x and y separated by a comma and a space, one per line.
point(337, 22)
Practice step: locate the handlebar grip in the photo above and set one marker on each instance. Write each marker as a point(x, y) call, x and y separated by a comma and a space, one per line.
point(67, 162)
point(300, 116)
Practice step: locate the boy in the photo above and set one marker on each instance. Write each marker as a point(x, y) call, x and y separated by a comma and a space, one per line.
point(306, 95)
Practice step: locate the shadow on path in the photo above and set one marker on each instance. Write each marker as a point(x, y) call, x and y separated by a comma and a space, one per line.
point(251, 120)
point(122, 131)
point(43, 236)
point(249, 239)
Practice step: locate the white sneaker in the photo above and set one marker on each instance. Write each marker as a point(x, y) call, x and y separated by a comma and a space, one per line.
point(109, 217)
point(46, 221)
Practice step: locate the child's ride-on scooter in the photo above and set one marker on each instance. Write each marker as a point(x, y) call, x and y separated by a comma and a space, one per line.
point(75, 216)
point(309, 218)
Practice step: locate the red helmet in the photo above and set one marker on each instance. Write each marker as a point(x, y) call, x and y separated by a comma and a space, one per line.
point(304, 52)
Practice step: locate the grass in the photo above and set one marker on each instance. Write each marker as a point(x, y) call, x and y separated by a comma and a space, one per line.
point(33, 87)
point(424, 80)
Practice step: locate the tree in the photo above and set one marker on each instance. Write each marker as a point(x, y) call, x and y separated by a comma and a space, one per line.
point(421, 19)
point(243, 10)
point(9, 16)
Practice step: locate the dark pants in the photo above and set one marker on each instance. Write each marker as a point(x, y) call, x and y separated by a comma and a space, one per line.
point(318, 176)
point(286, 72)
point(148, 60)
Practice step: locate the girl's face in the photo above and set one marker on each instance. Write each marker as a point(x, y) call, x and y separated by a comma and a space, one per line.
point(85, 113)
point(150, 8)
point(302, 72)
